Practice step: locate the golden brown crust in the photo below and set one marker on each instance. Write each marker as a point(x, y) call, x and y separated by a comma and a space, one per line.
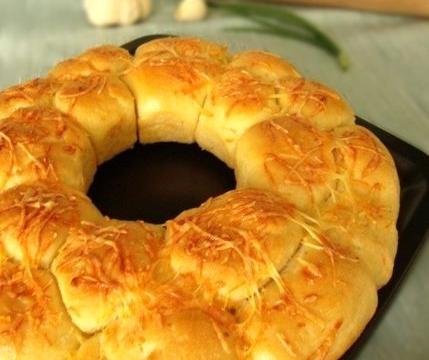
point(37, 92)
point(92, 92)
point(311, 167)
point(291, 157)
point(326, 302)
point(369, 166)
point(104, 107)
point(370, 233)
point(237, 101)
point(322, 106)
point(70, 69)
point(171, 322)
point(43, 144)
point(35, 220)
point(264, 65)
point(170, 79)
point(107, 59)
point(365, 205)
point(102, 269)
point(191, 48)
point(240, 91)
point(202, 336)
point(33, 321)
point(234, 243)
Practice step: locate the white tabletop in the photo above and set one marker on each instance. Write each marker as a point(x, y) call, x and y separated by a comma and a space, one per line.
point(387, 84)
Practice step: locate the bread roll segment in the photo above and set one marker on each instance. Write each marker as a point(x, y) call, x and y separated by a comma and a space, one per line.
point(234, 243)
point(289, 156)
point(170, 79)
point(44, 144)
point(101, 268)
point(264, 65)
point(37, 92)
point(327, 300)
point(322, 106)
point(368, 167)
point(183, 334)
point(33, 321)
point(286, 266)
point(104, 107)
point(35, 220)
point(311, 168)
point(236, 101)
point(107, 59)
point(187, 47)
point(92, 92)
point(370, 233)
point(245, 94)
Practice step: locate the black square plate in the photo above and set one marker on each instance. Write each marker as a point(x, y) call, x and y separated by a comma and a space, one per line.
point(162, 179)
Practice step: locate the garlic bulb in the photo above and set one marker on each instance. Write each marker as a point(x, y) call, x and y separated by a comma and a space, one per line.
point(191, 10)
point(116, 12)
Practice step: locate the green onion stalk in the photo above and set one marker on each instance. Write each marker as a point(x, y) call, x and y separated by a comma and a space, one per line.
point(279, 21)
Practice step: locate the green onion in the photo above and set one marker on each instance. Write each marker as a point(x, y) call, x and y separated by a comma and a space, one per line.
point(281, 22)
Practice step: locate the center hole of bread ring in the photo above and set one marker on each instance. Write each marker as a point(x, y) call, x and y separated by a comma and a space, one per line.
point(156, 182)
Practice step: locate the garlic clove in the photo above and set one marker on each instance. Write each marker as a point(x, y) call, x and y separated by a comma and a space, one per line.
point(128, 12)
point(99, 13)
point(191, 10)
point(116, 12)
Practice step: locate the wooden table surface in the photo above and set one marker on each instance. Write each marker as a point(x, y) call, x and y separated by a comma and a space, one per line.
point(387, 84)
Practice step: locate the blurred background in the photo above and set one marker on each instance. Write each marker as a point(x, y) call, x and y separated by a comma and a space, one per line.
point(387, 83)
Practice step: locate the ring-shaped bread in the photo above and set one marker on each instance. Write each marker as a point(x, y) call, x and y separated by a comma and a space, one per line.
point(287, 266)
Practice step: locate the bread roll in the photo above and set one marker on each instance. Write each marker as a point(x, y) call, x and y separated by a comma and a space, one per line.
point(322, 106)
point(183, 47)
point(264, 65)
point(326, 302)
point(107, 59)
point(104, 107)
point(237, 101)
point(35, 220)
point(291, 157)
point(171, 327)
point(33, 321)
point(312, 168)
point(170, 80)
point(71, 69)
point(234, 243)
point(92, 92)
point(368, 167)
point(37, 92)
point(43, 144)
point(369, 233)
point(102, 267)
point(364, 207)
point(244, 95)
